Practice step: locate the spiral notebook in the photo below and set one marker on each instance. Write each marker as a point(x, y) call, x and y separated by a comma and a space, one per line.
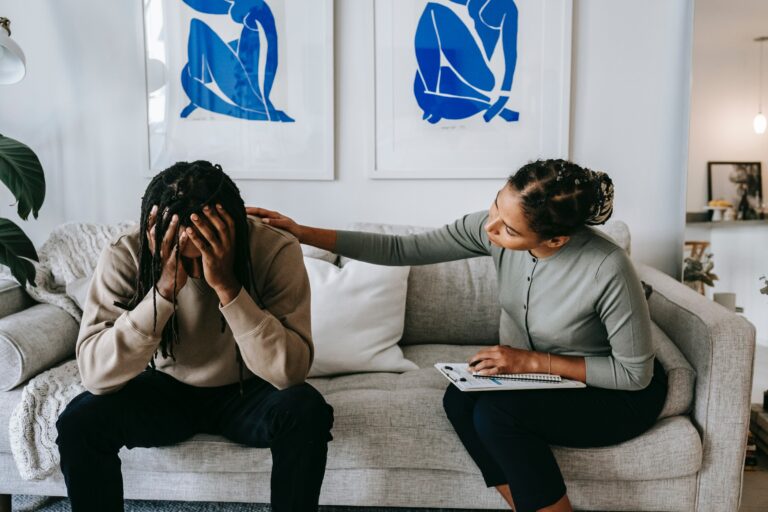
point(461, 377)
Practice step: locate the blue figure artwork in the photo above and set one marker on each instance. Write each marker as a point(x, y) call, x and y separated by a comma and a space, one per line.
point(233, 67)
point(454, 79)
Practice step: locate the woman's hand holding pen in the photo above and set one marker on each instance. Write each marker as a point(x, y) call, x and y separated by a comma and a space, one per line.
point(501, 359)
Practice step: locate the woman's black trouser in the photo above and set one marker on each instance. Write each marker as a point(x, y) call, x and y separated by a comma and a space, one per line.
point(508, 433)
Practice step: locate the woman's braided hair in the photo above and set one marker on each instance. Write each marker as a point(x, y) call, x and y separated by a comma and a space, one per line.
point(183, 189)
point(559, 197)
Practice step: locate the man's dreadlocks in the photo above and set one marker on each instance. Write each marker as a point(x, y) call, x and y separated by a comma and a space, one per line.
point(183, 189)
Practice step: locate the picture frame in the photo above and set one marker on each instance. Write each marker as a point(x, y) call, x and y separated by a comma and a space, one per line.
point(247, 85)
point(730, 181)
point(417, 134)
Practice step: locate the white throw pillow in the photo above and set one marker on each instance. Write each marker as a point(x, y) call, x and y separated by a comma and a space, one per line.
point(358, 315)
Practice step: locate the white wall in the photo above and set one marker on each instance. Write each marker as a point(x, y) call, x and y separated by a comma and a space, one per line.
point(81, 107)
point(724, 94)
point(739, 250)
point(724, 100)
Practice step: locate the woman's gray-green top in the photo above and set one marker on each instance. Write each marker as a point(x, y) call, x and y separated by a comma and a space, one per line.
point(585, 300)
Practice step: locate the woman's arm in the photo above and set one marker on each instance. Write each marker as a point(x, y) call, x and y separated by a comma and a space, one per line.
point(623, 309)
point(464, 238)
point(501, 359)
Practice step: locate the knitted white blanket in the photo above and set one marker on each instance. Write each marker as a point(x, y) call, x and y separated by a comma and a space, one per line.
point(70, 253)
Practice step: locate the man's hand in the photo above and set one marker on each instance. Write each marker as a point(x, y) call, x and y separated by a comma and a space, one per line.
point(172, 276)
point(215, 239)
point(503, 359)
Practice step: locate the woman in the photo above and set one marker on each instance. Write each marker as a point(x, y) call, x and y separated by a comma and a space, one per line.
point(572, 305)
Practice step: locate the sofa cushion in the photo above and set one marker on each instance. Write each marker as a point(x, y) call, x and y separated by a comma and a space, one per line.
point(456, 302)
point(681, 377)
point(397, 421)
point(319, 254)
point(619, 232)
point(357, 317)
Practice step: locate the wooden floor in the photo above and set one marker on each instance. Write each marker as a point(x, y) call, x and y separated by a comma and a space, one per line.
point(754, 496)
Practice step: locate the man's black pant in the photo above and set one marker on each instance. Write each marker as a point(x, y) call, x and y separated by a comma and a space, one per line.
point(155, 409)
point(508, 433)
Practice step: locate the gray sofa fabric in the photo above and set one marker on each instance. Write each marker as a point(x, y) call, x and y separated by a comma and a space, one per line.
point(681, 376)
point(8, 400)
point(33, 340)
point(13, 298)
point(393, 445)
point(455, 302)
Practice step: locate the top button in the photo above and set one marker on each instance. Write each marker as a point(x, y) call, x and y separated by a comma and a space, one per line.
point(534, 260)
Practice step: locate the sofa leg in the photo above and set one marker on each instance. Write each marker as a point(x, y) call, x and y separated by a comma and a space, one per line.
point(5, 503)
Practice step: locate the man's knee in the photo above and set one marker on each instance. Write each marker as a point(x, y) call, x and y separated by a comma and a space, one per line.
point(306, 410)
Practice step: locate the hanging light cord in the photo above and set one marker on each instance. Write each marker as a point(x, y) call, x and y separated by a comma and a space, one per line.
point(760, 81)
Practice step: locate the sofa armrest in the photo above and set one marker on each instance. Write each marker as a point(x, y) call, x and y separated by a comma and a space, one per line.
point(720, 345)
point(13, 298)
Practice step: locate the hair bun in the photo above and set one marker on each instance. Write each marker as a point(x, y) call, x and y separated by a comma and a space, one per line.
point(603, 208)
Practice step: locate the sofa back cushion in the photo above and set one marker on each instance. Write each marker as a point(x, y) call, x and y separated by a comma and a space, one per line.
point(454, 303)
point(457, 302)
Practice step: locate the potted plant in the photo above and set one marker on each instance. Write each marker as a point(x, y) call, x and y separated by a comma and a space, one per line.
point(698, 272)
point(22, 173)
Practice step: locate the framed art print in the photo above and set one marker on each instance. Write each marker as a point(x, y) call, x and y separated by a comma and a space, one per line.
point(739, 183)
point(470, 88)
point(247, 84)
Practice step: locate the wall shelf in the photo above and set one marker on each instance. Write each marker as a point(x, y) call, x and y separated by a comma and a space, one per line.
point(730, 223)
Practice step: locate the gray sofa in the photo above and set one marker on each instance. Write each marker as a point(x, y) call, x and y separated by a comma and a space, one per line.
point(394, 447)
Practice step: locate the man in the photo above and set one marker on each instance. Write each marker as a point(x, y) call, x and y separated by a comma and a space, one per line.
point(196, 321)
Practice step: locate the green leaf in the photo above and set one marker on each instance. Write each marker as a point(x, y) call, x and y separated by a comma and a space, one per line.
point(15, 252)
point(22, 173)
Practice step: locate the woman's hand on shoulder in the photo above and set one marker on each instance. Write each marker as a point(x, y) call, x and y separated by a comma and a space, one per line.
point(501, 359)
point(273, 218)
